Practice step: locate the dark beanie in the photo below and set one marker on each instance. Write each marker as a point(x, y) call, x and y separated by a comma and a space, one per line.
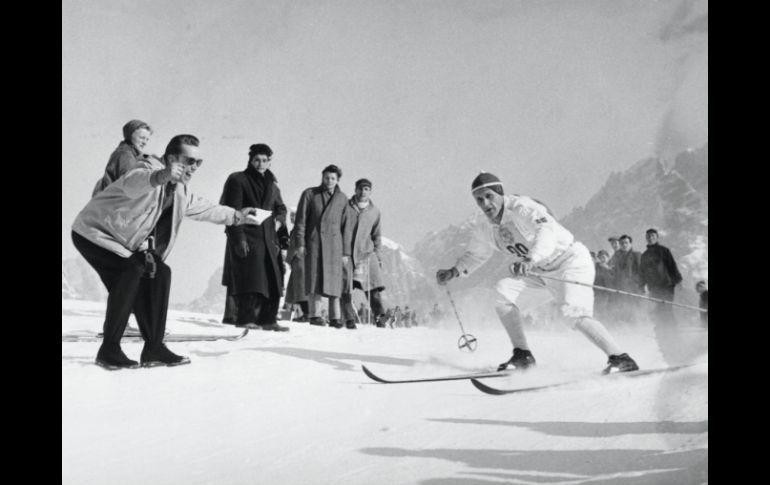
point(260, 149)
point(487, 180)
point(363, 183)
point(133, 125)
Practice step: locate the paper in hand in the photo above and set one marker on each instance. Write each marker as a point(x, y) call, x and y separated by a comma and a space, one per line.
point(260, 216)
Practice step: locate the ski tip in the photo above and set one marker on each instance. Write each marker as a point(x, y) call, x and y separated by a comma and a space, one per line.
point(371, 375)
point(485, 388)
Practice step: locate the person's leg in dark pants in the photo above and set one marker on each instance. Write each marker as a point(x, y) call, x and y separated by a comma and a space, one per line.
point(231, 307)
point(266, 310)
point(246, 303)
point(151, 305)
point(151, 310)
point(266, 307)
point(375, 303)
point(664, 313)
point(348, 311)
point(121, 276)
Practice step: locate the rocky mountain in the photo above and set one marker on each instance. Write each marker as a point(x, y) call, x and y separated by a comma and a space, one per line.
point(79, 281)
point(649, 195)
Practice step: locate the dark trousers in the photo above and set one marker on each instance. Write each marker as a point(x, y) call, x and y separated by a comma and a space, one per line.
point(375, 303)
point(129, 289)
point(231, 308)
point(663, 314)
point(257, 308)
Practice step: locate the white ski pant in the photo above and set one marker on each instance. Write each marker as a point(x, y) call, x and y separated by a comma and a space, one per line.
point(575, 301)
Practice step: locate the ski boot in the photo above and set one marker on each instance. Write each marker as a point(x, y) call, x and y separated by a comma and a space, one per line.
point(521, 359)
point(622, 362)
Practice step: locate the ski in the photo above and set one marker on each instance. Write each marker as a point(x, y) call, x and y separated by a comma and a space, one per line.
point(180, 337)
point(637, 373)
point(454, 377)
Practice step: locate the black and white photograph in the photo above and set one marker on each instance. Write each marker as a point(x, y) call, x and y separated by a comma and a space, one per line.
point(378, 242)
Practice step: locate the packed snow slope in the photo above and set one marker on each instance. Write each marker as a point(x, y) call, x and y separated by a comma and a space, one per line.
point(295, 408)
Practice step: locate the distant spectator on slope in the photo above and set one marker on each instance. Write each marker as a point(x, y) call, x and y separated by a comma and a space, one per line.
point(604, 277)
point(627, 278)
point(660, 274)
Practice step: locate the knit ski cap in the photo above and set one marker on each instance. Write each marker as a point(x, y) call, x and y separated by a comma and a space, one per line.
point(363, 183)
point(133, 125)
point(484, 180)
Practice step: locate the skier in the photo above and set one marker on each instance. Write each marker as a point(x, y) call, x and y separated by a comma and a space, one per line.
point(526, 230)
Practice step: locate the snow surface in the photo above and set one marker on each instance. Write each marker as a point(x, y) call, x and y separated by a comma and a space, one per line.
point(295, 408)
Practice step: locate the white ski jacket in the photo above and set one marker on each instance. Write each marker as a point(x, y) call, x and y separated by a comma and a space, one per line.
point(527, 229)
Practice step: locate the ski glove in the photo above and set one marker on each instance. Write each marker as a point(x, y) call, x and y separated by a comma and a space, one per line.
point(444, 275)
point(521, 268)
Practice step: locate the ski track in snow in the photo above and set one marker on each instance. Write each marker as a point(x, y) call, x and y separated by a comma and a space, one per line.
point(295, 408)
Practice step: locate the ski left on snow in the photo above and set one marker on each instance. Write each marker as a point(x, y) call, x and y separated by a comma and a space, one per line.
point(619, 375)
point(451, 377)
point(180, 337)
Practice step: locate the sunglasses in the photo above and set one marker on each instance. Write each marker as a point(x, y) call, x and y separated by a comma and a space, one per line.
point(190, 161)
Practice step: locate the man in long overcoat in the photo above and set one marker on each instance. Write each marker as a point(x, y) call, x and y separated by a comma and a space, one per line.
point(252, 270)
point(318, 235)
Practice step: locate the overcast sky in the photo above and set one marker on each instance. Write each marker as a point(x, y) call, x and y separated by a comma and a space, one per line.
point(418, 96)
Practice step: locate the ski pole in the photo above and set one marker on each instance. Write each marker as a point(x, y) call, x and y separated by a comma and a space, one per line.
point(369, 294)
point(466, 341)
point(612, 290)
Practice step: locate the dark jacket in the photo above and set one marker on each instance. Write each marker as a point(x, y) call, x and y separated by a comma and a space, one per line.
point(658, 268)
point(124, 158)
point(604, 276)
point(260, 271)
point(318, 228)
point(626, 270)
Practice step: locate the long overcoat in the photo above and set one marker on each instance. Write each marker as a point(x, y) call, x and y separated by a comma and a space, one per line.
point(318, 228)
point(259, 271)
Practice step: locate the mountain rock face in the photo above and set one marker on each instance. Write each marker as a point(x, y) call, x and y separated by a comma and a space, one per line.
point(648, 195)
point(80, 282)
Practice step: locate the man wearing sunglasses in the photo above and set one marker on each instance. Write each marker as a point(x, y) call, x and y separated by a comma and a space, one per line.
point(126, 232)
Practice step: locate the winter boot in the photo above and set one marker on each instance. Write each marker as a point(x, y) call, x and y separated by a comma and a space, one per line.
point(622, 362)
point(111, 357)
point(520, 360)
point(274, 327)
point(318, 321)
point(160, 355)
point(335, 322)
point(350, 324)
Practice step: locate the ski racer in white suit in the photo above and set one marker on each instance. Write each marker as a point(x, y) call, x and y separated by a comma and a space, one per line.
point(524, 229)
